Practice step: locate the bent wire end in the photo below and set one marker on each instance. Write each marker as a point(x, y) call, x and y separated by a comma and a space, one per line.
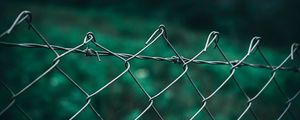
point(154, 33)
point(25, 13)
point(89, 36)
point(253, 44)
point(164, 30)
point(21, 17)
point(211, 39)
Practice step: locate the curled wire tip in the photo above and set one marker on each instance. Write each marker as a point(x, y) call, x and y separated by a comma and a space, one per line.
point(212, 37)
point(215, 32)
point(254, 44)
point(161, 26)
point(164, 30)
point(257, 37)
point(24, 15)
point(26, 12)
point(154, 33)
point(294, 47)
point(89, 36)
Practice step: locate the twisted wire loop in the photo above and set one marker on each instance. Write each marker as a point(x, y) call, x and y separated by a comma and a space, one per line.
point(160, 32)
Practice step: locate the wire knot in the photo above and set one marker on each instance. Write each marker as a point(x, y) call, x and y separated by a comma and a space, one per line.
point(89, 52)
point(175, 59)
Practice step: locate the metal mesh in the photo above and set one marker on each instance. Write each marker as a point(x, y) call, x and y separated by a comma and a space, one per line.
point(212, 41)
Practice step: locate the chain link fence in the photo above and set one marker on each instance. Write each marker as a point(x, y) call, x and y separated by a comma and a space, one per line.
point(185, 63)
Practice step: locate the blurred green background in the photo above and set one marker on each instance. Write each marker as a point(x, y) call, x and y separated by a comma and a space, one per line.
point(124, 26)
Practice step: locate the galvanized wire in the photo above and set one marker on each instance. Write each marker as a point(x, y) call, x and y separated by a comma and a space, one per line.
point(126, 58)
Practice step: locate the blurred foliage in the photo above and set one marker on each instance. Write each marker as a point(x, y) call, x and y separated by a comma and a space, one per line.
point(124, 27)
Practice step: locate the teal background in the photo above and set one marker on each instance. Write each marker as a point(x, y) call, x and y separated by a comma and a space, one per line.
point(124, 26)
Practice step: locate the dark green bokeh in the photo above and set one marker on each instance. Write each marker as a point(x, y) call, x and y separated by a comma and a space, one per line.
point(124, 27)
